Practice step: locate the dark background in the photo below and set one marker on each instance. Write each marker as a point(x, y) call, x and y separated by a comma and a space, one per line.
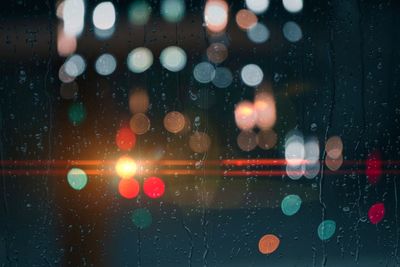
point(342, 76)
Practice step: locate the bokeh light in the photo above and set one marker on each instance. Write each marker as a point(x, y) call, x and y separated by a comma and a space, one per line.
point(217, 52)
point(333, 164)
point(376, 213)
point(142, 218)
point(69, 90)
point(125, 139)
point(125, 167)
point(174, 122)
point(104, 16)
point(294, 149)
point(334, 147)
point(154, 187)
point(251, 75)
point(246, 19)
point(77, 113)
point(66, 44)
point(77, 178)
point(247, 140)
point(264, 104)
point(267, 139)
point(291, 204)
point(63, 76)
point(204, 72)
point(268, 244)
point(173, 10)
point(139, 12)
point(326, 229)
point(140, 59)
point(295, 172)
point(374, 167)
point(173, 58)
point(223, 77)
point(75, 65)
point(139, 101)
point(312, 170)
point(245, 115)
point(105, 64)
point(128, 188)
point(293, 6)
point(292, 31)
point(199, 142)
point(258, 34)
point(216, 15)
point(257, 6)
point(139, 123)
point(73, 16)
point(311, 148)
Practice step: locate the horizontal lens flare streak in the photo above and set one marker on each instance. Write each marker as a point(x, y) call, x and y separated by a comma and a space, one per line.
point(176, 167)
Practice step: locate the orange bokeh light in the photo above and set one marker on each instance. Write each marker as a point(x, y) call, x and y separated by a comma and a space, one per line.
point(125, 139)
point(216, 15)
point(245, 115)
point(264, 105)
point(126, 167)
point(128, 188)
point(268, 244)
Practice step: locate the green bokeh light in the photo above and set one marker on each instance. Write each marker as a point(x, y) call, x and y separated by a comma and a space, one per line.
point(139, 12)
point(77, 178)
point(173, 10)
point(291, 204)
point(326, 229)
point(77, 113)
point(142, 218)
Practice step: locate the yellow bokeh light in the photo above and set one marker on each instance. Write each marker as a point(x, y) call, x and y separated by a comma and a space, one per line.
point(126, 167)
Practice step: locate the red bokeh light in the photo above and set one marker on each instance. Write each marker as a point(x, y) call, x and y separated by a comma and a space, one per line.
point(376, 213)
point(128, 188)
point(154, 187)
point(374, 167)
point(125, 139)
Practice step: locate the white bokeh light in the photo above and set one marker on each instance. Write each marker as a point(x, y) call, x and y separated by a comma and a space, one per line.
point(293, 6)
point(140, 59)
point(75, 65)
point(104, 16)
point(105, 64)
point(252, 75)
point(173, 58)
point(73, 15)
point(257, 6)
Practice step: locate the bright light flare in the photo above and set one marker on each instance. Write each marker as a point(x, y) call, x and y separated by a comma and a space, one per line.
point(104, 16)
point(216, 15)
point(125, 167)
point(245, 115)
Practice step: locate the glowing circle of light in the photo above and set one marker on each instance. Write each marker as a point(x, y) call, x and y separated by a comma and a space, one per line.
point(125, 167)
point(267, 139)
point(174, 122)
point(139, 12)
point(264, 104)
point(245, 115)
point(312, 170)
point(291, 204)
point(140, 59)
point(251, 75)
point(216, 15)
point(223, 77)
point(293, 6)
point(139, 101)
point(139, 123)
point(376, 213)
point(77, 178)
point(75, 65)
point(173, 58)
point(77, 113)
point(199, 142)
point(154, 187)
point(268, 244)
point(204, 72)
point(105, 64)
point(333, 164)
point(104, 16)
point(326, 229)
point(246, 19)
point(257, 6)
point(141, 218)
point(294, 152)
point(217, 52)
point(173, 10)
point(63, 75)
point(247, 140)
point(311, 149)
point(125, 139)
point(292, 32)
point(258, 34)
point(295, 172)
point(334, 147)
point(66, 44)
point(73, 16)
point(128, 188)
